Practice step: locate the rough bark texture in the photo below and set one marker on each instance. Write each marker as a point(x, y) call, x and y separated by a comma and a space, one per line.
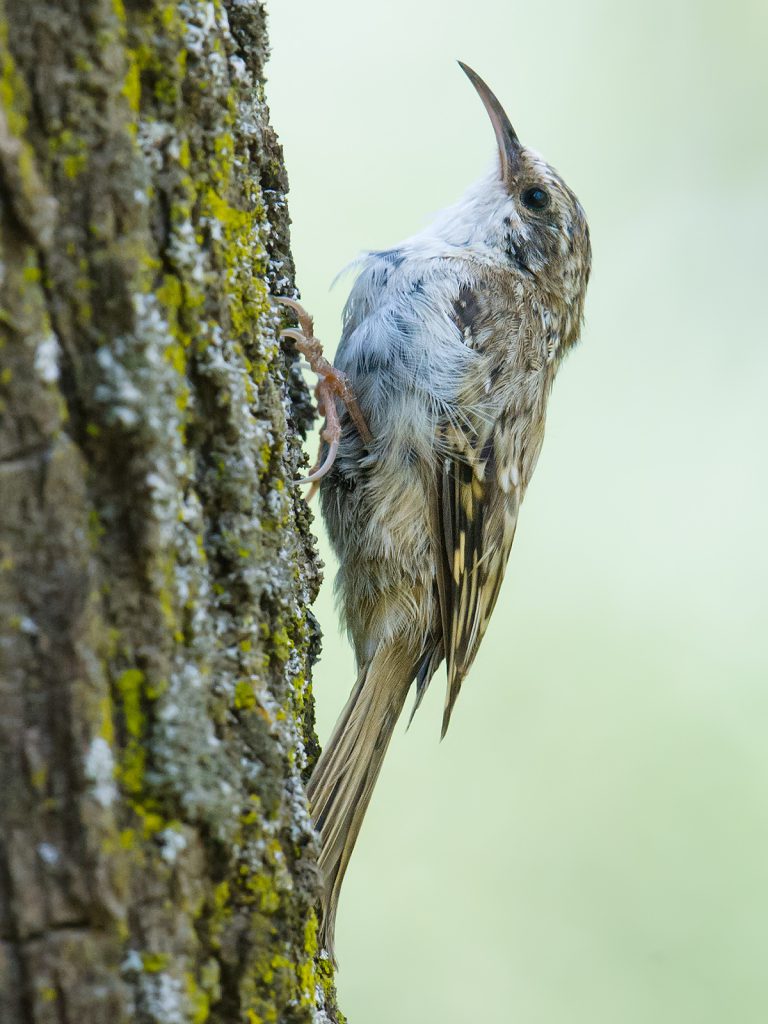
point(156, 567)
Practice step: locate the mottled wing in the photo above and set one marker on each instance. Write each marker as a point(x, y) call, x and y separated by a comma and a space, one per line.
point(478, 482)
point(476, 517)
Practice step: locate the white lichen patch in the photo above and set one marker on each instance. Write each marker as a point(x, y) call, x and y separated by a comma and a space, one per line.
point(132, 964)
point(153, 138)
point(121, 398)
point(162, 999)
point(185, 251)
point(173, 842)
point(48, 854)
point(100, 772)
point(47, 357)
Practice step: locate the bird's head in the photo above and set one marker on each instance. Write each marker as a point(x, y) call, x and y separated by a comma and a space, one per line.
point(530, 218)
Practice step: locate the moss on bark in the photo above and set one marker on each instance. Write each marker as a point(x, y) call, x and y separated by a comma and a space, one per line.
point(156, 567)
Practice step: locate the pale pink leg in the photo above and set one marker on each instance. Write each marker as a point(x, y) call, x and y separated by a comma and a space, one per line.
point(331, 384)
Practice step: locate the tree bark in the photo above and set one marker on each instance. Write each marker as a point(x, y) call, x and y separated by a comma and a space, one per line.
point(157, 863)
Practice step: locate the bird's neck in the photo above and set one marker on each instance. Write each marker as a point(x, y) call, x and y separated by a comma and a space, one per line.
point(469, 224)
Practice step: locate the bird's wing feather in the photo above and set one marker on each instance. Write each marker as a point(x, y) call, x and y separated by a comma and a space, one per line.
point(479, 475)
point(475, 519)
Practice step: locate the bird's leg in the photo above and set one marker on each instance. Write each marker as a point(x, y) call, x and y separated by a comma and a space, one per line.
point(331, 384)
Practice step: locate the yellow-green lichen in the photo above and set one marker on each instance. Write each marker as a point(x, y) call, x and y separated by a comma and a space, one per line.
point(306, 967)
point(154, 963)
point(244, 695)
point(164, 76)
point(325, 979)
point(132, 84)
point(151, 821)
point(73, 164)
point(71, 150)
point(107, 727)
point(14, 94)
point(282, 644)
point(259, 890)
point(83, 65)
point(220, 912)
point(130, 686)
point(198, 999)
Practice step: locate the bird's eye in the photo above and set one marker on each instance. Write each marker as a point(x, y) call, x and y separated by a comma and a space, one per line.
point(535, 198)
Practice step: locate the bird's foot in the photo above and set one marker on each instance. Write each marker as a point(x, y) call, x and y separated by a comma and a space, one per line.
point(331, 384)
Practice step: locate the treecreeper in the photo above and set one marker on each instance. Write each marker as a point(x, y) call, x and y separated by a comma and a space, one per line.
point(450, 344)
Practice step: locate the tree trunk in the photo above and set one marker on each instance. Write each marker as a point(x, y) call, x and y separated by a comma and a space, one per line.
point(157, 863)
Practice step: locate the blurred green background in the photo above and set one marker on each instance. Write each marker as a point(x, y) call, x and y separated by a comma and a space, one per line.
point(590, 842)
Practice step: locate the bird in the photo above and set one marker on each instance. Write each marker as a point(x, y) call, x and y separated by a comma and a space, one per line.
point(449, 348)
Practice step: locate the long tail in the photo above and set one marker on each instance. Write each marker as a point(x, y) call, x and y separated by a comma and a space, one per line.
point(343, 780)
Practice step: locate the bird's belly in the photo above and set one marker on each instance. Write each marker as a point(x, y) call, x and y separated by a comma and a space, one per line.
point(397, 518)
point(387, 564)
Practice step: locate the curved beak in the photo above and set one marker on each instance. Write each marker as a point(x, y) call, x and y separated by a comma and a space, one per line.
point(506, 138)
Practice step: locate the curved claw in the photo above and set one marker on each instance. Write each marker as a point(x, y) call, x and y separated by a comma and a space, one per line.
point(291, 332)
point(321, 471)
point(306, 322)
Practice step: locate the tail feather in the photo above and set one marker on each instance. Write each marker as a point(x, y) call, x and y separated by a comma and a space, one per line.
point(429, 665)
point(342, 783)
